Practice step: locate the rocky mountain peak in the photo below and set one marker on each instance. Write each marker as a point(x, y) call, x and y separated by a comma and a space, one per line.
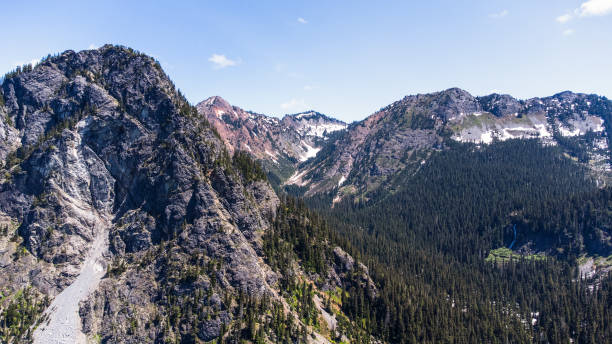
point(500, 104)
point(457, 94)
point(84, 77)
point(216, 102)
point(311, 115)
point(567, 95)
point(444, 105)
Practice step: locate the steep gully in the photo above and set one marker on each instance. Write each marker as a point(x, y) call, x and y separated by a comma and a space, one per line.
point(93, 210)
point(64, 325)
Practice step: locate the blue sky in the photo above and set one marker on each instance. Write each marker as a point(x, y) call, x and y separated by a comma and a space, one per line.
point(343, 58)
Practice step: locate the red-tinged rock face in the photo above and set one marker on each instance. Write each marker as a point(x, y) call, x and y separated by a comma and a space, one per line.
point(281, 143)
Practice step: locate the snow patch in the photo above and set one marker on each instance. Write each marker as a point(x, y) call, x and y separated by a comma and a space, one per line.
point(310, 151)
point(542, 130)
point(319, 130)
point(270, 120)
point(304, 114)
point(504, 132)
point(296, 179)
point(569, 132)
point(486, 137)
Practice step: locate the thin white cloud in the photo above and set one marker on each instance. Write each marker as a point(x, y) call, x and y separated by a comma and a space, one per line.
point(302, 20)
point(92, 46)
point(294, 104)
point(308, 88)
point(221, 61)
point(501, 14)
point(595, 8)
point(588, 9)
point(564, 18)
point(568, 32)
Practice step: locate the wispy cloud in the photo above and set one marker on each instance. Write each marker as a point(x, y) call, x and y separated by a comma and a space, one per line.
point(568, 32)
point(595, 8)
point(588, 9)
point(221, 61)
point(302, 20)
point(308, 88)
point(294, 104)
point(564, 18)
point(92, 46)
point(501, 14)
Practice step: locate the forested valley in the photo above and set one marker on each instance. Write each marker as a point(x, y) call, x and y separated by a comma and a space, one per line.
point(427, 246)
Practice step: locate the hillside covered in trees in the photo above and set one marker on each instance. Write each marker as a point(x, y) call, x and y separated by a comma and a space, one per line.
point(427, 247)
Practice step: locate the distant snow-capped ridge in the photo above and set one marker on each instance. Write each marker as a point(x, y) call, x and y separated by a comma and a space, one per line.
point(294, 138)
point(312, 123)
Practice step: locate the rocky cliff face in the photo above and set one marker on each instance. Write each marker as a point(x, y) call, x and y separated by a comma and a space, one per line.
point(401, 136)
point(121, 202)
point(281, 144)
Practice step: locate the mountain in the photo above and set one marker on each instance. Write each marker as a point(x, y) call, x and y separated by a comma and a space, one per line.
point(127, 215)
point(280, 144)
point(461, 205)
point(125, 219)
point(401, 136)
point(514, 228)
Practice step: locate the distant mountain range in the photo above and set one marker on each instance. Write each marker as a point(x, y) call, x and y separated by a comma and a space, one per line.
point(365, 155)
